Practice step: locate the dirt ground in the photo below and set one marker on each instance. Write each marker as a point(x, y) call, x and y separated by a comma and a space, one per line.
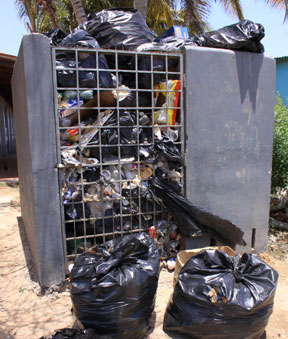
point(25, 313)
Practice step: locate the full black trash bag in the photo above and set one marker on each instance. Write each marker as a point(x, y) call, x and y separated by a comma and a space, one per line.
point(55, 36)
point(113, 291)
point(191, 219)
point(79, 38)
point(243, 36)
point(240, 308)
point(67, 78)
point(67, 333)
point(118, 28)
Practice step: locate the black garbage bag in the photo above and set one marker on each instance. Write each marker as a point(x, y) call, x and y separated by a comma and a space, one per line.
point(191, 219)
point(220, 297)
point(242, 36)
point(120, 28)
point(67, 77)
point(79, 38)
point(67, 333)
point(167, 148)
point(55, 36)
point(109, 135)
point(113, 291)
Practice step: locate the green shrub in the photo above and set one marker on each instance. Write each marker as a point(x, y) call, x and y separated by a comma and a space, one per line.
point(280, 146)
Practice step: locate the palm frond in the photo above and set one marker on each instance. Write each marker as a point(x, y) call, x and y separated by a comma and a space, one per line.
point(280, 5)
point(196, 15)
point(31, 13)
point(232, 7)
point(159, 15)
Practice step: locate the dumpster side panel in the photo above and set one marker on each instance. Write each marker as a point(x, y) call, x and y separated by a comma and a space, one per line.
point(21, 130)
point(36, 151)
point(229, 117)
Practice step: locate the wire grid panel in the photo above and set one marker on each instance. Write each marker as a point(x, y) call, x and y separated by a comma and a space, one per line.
point(110, 107)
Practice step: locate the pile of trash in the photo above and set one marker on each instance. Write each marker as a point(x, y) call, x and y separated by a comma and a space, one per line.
point(121, 138)
point(121, 132)
point(125, 29)
point(122, 135)
point(215, 292)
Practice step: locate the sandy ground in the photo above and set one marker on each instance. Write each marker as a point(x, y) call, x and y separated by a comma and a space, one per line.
point(25, 313)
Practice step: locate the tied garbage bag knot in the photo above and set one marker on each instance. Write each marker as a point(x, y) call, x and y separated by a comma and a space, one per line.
point(237, 270)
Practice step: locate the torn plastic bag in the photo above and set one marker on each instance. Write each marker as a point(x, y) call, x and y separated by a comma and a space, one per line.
point(242, 36)
point(67, 78)
point(218, 297)
point(79, 38)
point(55, 36)
point(167, 148)
point(118, 28)
point(113, 291)
point(67, 333)
point(190, 218)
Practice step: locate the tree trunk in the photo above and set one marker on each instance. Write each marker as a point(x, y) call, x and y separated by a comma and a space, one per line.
point(79, 11)
point(187, 17)
point(141, 5)
point(47, 4)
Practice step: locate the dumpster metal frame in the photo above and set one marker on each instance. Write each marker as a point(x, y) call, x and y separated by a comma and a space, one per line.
point(86, 239)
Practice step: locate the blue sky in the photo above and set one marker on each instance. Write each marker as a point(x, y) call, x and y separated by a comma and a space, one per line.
point(275, 41)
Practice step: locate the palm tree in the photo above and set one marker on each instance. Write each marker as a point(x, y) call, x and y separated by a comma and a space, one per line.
point(197, 11)
point(141, 5)
point(50, 10)
point(79, 11)
point(159, 15)
point(33, 15)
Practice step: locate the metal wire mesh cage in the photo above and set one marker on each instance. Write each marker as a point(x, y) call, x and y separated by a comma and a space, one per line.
point(114, 111)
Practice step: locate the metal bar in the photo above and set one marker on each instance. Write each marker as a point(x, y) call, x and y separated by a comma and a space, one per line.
point(133, 214)
point(58, 152)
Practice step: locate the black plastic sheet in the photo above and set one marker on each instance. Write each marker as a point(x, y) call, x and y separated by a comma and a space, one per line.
point(190, 218)
point(242, 36)
point(218, 297)
point(113, 290)
point(118, 28)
